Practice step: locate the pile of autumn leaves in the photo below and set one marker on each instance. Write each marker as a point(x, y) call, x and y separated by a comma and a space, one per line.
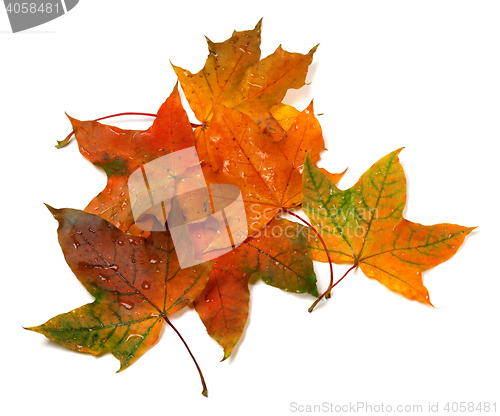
point(248, 138)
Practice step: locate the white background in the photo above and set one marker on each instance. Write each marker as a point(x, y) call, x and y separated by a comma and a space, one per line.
point(424, 75)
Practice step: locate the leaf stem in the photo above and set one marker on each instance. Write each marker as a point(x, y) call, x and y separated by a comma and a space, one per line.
point(62, 143)
point(205, 391)
point(327, 293)
point(331, 287)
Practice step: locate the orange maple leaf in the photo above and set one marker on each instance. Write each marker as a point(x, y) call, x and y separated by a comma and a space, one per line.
point(235, 77)
point(278, 255)
point(364, 225)
point(120, 152)
point(269, 174)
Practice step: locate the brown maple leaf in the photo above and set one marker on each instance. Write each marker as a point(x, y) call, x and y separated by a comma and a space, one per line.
point(136, 283)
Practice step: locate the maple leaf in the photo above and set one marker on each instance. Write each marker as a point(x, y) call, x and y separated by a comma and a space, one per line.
point(234, 76)
point(120, 152)
point(136, 283)
point(269, 174)
point(364, 225)
point(278, 255)
point(285, 115)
